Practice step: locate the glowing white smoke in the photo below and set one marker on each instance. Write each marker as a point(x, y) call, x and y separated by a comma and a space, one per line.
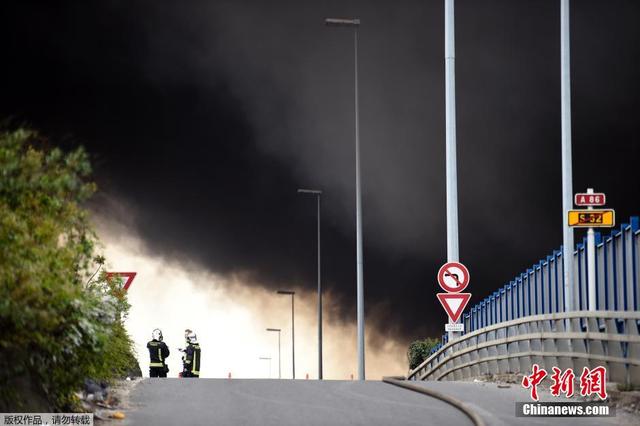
point(230, 319)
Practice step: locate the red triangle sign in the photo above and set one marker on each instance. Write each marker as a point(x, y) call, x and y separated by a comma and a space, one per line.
point(129, 275)
point(454, 303)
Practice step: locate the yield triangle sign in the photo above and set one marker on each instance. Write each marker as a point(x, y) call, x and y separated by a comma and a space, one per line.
point(454, 303)
point(128, 275)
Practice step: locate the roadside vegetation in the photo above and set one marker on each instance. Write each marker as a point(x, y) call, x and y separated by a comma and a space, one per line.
point(61, 321)
point(419, 350)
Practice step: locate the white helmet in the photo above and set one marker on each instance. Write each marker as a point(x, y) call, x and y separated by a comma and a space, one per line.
point(156, 334)
point(191, 338)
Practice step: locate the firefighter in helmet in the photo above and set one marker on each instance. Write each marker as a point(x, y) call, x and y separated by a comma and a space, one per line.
point(158, 353)
point(191, 357)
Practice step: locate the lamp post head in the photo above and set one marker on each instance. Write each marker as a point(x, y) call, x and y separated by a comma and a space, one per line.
point(273, 329)
point(286, 292)
point(342, 22)
point(309, 191)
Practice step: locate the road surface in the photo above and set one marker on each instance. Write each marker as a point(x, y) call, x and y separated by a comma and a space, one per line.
point(160, 402)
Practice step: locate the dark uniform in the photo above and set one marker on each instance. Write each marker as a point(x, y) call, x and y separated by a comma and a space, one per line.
point(158, 352)
point(192, 361)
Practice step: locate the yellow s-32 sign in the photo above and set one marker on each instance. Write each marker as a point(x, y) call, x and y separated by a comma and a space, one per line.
point(596, 218)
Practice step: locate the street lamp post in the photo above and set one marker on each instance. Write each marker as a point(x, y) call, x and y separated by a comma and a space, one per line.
point(279, 358)
point(450, 139)
point(355, 23)
point(265, 358)
point(293, 335)
point(318, 193)
point(567, 181)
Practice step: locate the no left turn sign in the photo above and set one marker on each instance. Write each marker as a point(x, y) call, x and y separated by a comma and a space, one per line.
point(453, 277)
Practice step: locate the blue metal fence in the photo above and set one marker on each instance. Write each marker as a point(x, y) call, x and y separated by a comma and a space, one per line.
point(539, 290)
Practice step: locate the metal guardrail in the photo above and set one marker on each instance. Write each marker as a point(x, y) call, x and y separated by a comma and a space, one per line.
point(473, 416)
point(565, 340)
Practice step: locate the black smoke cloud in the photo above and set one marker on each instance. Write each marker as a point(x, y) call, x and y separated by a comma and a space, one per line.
point(205, 117)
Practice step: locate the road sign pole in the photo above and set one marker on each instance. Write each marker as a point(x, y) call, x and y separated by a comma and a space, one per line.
point(591, 263)
point(450, 137)
point(567, 183)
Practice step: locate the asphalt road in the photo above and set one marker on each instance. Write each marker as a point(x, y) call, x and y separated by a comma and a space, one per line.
point(307, 402)
point(496, 405)
point(283, 402)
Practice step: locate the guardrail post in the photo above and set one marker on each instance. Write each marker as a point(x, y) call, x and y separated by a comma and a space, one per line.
point(549, 347)
point(633, 328)
point(616, 372)
point(563, 345)
point(578, 346)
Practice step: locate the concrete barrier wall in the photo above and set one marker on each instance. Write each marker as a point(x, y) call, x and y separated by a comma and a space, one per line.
point(563, 340)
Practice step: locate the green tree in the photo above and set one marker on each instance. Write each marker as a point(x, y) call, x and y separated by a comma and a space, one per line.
point(56, 327)
point(419, 350)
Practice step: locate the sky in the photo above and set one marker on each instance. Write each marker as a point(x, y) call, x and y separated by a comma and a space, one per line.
point(203, 118)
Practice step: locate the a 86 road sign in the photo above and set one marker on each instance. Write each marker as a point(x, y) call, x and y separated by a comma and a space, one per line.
point(590, 200)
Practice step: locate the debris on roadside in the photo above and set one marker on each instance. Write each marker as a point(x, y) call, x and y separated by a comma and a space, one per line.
point(104, 401)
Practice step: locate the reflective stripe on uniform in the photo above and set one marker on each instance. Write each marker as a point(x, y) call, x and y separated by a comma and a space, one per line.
point(195, 358)
point(160, 354)
point(156, 364)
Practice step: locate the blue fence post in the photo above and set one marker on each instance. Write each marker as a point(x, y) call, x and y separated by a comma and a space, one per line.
point(623, 245)
point(635, 227)
point(560, 282)
point(541, 281)
point(512, 306)
point(491, 318)
point(485, 312)
point(533, 291)
point(550, 283)
point(514, 299)
point(605, 262)
point(614, 270)
point(598, 240)
point(526, 294)
point(556, 259)
point(581, 257)
point(475, 317)
point(494, 304)
point(529, 298)
point(519, 293)
point(474, 326)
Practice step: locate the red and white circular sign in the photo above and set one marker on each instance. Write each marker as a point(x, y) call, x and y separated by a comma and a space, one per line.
point(453, 277)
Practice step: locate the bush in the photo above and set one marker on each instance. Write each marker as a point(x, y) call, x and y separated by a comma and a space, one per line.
point(56, 327)
point(419, 350)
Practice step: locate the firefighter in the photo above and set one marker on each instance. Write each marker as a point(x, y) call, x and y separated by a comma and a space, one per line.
point(191, 358)
point(158, 352)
